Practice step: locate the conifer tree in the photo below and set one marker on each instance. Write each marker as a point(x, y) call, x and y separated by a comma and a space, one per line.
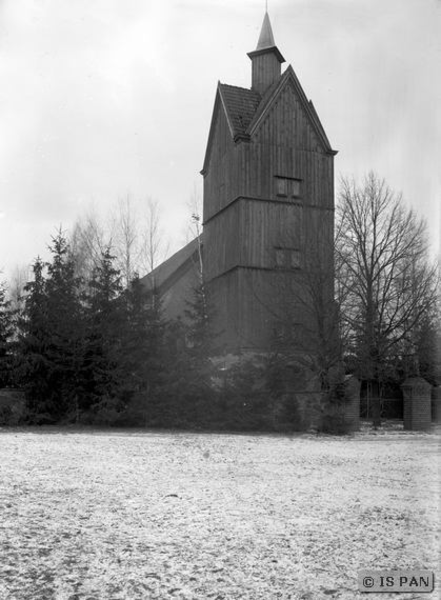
point(143, 351)
point(195, 384)
point(51, 337)
point(35, 369)
point(65, 329)
point(105, 321)
point(6, 332)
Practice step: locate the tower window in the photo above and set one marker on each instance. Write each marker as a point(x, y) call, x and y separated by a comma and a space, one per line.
point(282, 186)
point(288, 258)
point(295, 188)
point(288, 187)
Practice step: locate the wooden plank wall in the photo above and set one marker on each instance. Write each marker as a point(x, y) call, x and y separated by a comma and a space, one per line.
point(265, 226)
point(285, 144)
point(223, 180)
point(243, 236)
point(221, 242)
point(265, 70)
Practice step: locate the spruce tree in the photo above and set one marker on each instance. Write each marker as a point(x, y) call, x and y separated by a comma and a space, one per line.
point(143, 352)
point(66, 330)
point(104, 321)
point(52, 337)
point(6, 333)
point(35, 369)
point(195, 371)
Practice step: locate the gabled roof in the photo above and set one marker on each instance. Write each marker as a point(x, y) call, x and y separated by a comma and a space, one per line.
point(245, 109)
point(163, 277)
point(240, 105)
point(271, 96)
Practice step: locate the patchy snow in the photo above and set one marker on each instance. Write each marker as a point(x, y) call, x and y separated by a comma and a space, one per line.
point(140, 515)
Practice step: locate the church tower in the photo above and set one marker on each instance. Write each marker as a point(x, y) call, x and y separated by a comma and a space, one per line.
point(268, 205)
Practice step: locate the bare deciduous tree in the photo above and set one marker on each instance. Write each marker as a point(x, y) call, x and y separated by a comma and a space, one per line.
point(305, 312)
point(153, 244)
point(126, 238)
point(195, 231)
point(133, 234)
point(386, 281)
point(88, 241)
point(19, 278)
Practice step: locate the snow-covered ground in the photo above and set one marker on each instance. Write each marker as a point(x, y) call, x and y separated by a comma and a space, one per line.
point(139, 515)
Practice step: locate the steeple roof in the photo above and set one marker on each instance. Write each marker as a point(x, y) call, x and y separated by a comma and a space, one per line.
point(266, 38)
point(266, 41)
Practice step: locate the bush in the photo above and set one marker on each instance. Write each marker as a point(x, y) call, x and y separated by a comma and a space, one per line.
point(12, 407)
point(335, 423)
point(5, 415)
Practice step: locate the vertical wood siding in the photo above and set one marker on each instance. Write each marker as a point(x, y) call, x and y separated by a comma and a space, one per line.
point(265, 70)
point(244, 236)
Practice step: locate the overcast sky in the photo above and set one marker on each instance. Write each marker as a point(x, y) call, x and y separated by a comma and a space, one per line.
point(101, 98)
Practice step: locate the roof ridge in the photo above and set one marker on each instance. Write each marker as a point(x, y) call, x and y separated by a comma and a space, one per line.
point(239, 87)
point(166, 269)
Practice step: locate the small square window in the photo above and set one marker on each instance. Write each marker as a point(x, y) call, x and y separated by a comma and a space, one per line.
point(295, 188)
point(288, 187)
point(280, 257)
point(294, 258)
point(282, 186)
point(287, 258)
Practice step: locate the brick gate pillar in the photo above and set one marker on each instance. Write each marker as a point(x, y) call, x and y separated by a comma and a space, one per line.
point(417, 403)
point(352, 406)
point(436, 404)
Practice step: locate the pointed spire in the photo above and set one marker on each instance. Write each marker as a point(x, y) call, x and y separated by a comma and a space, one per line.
point(266, 38)
point(266, 59)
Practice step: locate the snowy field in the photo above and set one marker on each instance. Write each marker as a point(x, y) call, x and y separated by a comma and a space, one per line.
point(137, 515)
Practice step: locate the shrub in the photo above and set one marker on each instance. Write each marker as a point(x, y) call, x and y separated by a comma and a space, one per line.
point(335, 423)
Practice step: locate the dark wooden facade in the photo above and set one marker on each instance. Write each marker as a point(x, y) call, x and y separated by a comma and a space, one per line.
point(268, 202)
point(268, 206)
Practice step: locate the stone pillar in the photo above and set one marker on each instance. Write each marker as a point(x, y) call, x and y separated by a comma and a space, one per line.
point(352, 405)
point(436, 404)
point(417, 404)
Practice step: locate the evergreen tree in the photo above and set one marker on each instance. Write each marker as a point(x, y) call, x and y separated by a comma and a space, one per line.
point(105, 322)
point(51, 337)
point(6, 333)
point(66, 330)
point(193, 365)
point(35, 369)
point(143, 352)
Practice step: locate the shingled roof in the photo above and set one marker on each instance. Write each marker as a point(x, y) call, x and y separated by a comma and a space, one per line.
point(165, 275)
point(240, 106)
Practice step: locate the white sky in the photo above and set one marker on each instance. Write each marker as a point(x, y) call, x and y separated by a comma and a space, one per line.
point(101, 98)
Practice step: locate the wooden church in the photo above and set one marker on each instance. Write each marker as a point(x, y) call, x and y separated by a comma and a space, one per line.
point(268, 212)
